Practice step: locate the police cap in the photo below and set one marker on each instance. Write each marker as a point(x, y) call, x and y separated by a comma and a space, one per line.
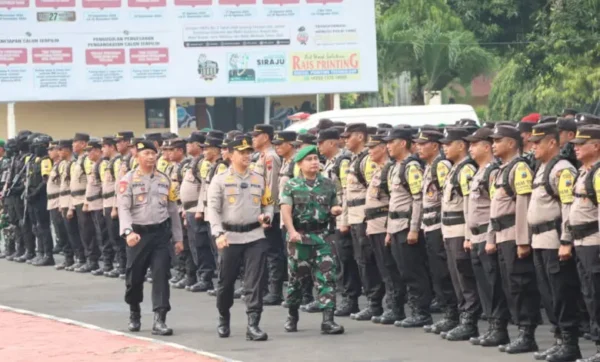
point(426, 136)
point(263, 128)
point(375, 140)
point(68, 143)
point(586, 133)
point(566, 124)
point(284, 136)
point(81, 137)
point(398, 133)
point(197, 137)
point(329, 134)
point(324, 124)
point(482, 134)
point(306, 139)
point(542, 130)
point(354, 127)
point(241, 144)
point(124, 136)
point(507, 131)
point(452, 134)
point(586, 118)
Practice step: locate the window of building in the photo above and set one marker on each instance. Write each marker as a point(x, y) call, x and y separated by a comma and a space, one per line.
point(157, 113)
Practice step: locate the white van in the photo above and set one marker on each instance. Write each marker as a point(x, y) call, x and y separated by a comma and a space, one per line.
point(413, 115)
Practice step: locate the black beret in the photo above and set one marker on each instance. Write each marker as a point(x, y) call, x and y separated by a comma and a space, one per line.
point(81, 137)
point(143, 145)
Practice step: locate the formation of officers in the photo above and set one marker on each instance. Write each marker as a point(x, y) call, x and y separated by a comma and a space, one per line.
point(492, 222)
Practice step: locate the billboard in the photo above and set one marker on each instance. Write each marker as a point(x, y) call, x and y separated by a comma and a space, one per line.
point(134, 49)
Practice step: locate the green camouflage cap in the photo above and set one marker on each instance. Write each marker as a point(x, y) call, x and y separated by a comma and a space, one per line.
point(308, 150)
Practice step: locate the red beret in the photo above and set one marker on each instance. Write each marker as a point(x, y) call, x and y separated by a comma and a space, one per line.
point(532, 117)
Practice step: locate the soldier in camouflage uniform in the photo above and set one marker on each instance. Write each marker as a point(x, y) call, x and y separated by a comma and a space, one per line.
point(307, 204)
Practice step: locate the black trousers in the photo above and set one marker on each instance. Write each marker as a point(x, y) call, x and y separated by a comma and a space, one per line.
point(152, 251)
point(62, 238)
point(489, 283)
point(38, 246)
point(463, 277)
point(412, 263)
point(117, 242)
point(24, 237)
point(365, 258)
point(585, 302)
point(276, 253)
point(520, 285)
point(253, 257)
point(199, 237)
point(102, 239)
point(589, 257)
point(88, 234)
point(559, 288)
point(72, 228)
point(390, 273)
point(348, 273)
point(438, 268)
point(41, 218)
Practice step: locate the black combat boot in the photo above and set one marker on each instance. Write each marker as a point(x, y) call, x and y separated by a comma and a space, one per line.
point(448, 322)
point(525, 343)
point(275, 294)
point(204, 284)
point(568, 350)
point(367, 314)
point(212, 293)
point(347, 307)
point(541, 356)
point(594, 358)
point(185, 282)
point(476, 341)
point(418, 319)
point(78, 264)
point(106, 268)
point(465, 330)
point(312, 307)
point(253, 331)
point(498, 335)
point(114, 273)
point(329, 326)
point(67, 263)
point(48, 260)
point(135, 317)
point(223, 328)
point(178, 275)
point(291, 323)
point(160, 327)
point(390, 316)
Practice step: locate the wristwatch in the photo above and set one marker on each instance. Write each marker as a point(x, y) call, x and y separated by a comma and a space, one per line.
point(126, 232)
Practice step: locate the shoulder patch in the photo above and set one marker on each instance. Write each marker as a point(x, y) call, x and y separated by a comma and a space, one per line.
point(523, 179)
point(466, 175)
point(296, 170)
point(566, 183)
point(344, 166)
point(597, 185)
point(221, 169)
point(442, 172)
point(204, 168)
point(46, 167)
point(370, 168)
point(415, 179)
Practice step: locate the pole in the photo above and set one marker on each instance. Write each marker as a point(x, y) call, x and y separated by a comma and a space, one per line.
point(336, 101)
point(267, 119)
point(173, 121)
point(11, 123)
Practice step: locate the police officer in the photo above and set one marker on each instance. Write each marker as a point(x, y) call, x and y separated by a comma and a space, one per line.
point(508, 221)
point(238, 205)
point(583, 220)
point(148, 218)
point(404, 223)
point(307, 203)
point(336, 167)
point(436, 171)
point(376, 217)
point(456, 188)
point(268, 165)
point(53, 206)
point(557, 277)
point(477, 236)
point(566, 132)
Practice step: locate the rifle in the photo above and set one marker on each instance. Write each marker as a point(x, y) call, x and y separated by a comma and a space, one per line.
point(26, 192)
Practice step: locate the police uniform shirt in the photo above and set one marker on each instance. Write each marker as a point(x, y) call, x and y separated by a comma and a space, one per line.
point(521, 182)
point(189, 191)
point(175, 185)
point(453, 202)
point(328, 172)
point(268, 166)
point(405, 199)
point(355, 191)
point(148, 200)
point(377, 200)
point(432, 195)
point(284, 177)
point(162, 164)
point(221, 168)
point(477, 206)
point(53, 184)
point(583, 210)
point(64, 199)
point(79, 180)
point(237, 200)
point(93, 191)
point(109, 181)
point(545, 208)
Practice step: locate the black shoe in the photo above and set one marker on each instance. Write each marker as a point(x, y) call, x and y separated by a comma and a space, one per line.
point(201, 286)
point(541, 356)
point(435, 307)
point(238, 293)
point(79, 264)
point(291, 323)
point(160, 327)
point(65, 264)
point(87, 268)
point(367, 314)
point(312, 307)
point(465, 330)
point(35, 261)
point(177, 277)
point(346, 308)
point(525, 343)
point(253, 331)
point(418, 319)
point(388, 317)
point(498, 335)
point(328, 326)
point(98, 272)
point(212, 293)
point(223, 328)
point(122, 276)
point(449, 322)
point(113, 273)
point(272, 299)
point(568, 350)
point(46, 261)
point(134, 322)
point(476, 341)
point(185, 282)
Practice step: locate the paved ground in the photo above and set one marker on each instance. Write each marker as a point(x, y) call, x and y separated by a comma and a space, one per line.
point(99, 301)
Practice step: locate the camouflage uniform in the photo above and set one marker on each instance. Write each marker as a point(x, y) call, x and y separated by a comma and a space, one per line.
point(310, 212)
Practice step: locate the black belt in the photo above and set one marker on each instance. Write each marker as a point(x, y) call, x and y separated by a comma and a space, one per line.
point(141, 229)
point(503, 222)
point(189, 204)
point(376, 212)
point(451, 218)
point(400, 215)
point(432, 220)
point(93, 198)
point(65, 193)
point(357, 202)
point(478, 230)
point(583, 230)
point(78, 193)
point(545, 226)
point(108, 195)
point(427, 210)
point(53, 196)
point(311, 227)
point(241, 228)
